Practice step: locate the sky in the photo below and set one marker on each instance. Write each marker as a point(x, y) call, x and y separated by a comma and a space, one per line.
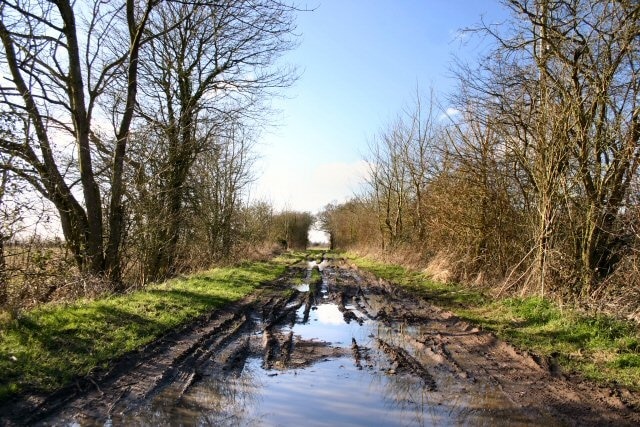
point(360, 63)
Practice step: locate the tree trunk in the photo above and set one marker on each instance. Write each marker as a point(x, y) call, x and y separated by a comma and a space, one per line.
point(81, 120)
point(544, 240)
point(163, 264)
point(116, 210)
point(3, 274)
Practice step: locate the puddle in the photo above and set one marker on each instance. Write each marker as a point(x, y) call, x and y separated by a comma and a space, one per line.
point(333, 392)
point(321, 265)
point(304, 287)
point(320, 369)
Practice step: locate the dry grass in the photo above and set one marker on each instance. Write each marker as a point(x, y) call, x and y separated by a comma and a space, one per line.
point(618, 296)
point(601, 347)
point(38, 272)
point(440, 268)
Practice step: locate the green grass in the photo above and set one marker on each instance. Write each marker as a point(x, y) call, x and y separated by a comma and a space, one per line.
point(301, 277)
point(315, 252)
point(316, 276)
point(46, 348)
point(333, 254)
point(298, 280)
point(443, 294)
point(597, 346)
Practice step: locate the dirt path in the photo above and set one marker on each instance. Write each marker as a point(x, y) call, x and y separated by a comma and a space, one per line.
point(352, 349)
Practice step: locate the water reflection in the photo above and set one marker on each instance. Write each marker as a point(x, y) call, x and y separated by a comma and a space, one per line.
point(333, 390)
point(321, 265)
point(304, 287)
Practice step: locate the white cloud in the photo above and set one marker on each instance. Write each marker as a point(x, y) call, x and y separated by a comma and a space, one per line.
point(310, 188)
point(450, 114)
point(318, 236)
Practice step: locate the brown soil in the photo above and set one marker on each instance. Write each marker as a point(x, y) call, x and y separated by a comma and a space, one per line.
point(217, 345)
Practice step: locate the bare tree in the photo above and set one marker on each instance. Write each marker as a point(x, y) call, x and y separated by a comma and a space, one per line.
point(535, 183)
point(351, 225)
point(403, 160)
point(61, 59)
point(4, 183)
point(421, 154)
point(219, 185)
point(291, 229)
point(587, 126)
point(199, 79)
point(389, 179)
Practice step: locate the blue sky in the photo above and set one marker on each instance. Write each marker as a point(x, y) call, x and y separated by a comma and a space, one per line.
point(360, 64)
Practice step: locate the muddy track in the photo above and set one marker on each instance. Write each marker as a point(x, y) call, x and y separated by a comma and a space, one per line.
point(414, 351)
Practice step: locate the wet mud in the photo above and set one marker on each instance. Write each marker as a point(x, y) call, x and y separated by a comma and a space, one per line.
point(347, 350)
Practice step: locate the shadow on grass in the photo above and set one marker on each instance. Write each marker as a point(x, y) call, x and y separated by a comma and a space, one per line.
point(184, 297)
point(53, 350)
point(46, 348)
point(449, 298)
point(579, 339)
point(233, 280)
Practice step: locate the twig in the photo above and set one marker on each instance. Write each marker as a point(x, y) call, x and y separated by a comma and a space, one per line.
point(95, 384)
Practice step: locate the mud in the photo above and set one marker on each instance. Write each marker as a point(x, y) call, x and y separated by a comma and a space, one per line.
point(351, 350)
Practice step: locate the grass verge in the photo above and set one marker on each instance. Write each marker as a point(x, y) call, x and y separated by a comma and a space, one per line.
point(46, 348)
point(316, 276)
point(599, 347)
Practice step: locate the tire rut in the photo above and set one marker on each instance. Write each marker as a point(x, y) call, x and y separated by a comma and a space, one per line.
point(410, 340)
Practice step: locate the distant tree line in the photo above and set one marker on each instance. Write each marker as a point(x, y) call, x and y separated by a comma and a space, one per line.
point(136, 121)
point(291, 229)
point(531, 182)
